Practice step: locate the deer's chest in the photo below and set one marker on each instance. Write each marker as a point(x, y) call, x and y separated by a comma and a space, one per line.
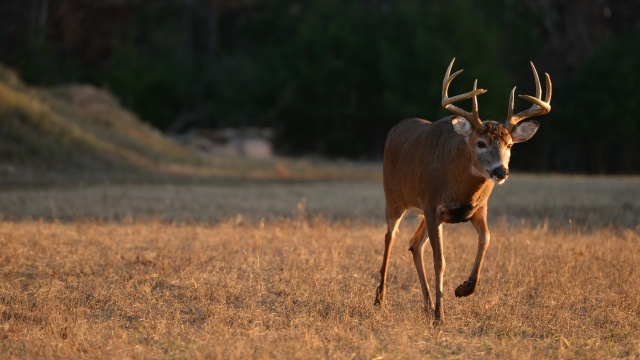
point(452, 213)
point(457, 209)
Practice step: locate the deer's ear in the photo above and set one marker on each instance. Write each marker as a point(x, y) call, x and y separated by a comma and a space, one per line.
point(524, 131)
point(461, 126)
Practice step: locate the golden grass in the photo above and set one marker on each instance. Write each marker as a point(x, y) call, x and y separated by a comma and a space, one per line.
point(305, 289)
point(155, 271)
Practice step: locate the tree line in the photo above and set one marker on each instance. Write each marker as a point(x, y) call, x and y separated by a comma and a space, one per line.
point(331, 77)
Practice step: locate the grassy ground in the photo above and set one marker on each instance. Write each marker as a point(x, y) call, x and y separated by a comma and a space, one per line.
point(192, 270)
point(557, 201)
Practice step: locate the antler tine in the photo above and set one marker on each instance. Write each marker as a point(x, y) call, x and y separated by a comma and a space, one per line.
point(447, 102)
point(474, 101)
point(539, 107)
point(510, 113)
point(535, 75)
point(549, 88)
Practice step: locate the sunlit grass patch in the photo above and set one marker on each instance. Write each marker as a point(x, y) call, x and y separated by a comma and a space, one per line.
point(305, 288)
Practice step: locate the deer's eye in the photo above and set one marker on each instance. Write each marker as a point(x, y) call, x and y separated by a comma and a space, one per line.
point(509, 146)
point(481, 145)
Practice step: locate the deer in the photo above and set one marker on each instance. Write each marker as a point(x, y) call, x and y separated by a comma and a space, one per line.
point(445, 171)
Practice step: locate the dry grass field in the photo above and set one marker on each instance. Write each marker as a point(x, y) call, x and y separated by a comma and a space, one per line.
point(289, 270)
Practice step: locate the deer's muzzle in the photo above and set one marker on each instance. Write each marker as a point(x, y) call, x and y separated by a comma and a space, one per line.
point(500, 173)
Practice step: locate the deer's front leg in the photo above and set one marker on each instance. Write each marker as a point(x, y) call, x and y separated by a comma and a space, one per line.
point(479, 222)
point(434, 228)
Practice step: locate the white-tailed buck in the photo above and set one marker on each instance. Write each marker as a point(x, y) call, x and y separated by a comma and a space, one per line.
point(445, 172)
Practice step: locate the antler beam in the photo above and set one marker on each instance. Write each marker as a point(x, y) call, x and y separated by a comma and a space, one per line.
point(539, 107)
point(447, 102)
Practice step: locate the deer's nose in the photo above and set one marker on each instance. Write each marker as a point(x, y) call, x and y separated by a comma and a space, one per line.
point(500, 173)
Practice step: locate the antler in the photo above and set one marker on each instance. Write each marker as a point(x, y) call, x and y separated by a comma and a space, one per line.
point(472, 117)
point(539, 107)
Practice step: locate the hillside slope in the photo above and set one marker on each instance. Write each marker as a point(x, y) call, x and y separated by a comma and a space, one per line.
point(81, 134)
point(79, 130)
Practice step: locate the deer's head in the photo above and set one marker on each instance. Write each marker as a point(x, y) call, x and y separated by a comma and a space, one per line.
point(490, 141)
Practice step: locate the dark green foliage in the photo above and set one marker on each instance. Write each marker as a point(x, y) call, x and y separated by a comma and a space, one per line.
point(600, 111)
point(359, 73)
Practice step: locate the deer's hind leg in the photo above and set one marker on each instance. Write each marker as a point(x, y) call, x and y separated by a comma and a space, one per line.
point(418, 242)
point(393, 215)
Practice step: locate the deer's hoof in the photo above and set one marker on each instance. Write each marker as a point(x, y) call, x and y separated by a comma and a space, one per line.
point(438, 319)
point(379, 296)
point(465, 289)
